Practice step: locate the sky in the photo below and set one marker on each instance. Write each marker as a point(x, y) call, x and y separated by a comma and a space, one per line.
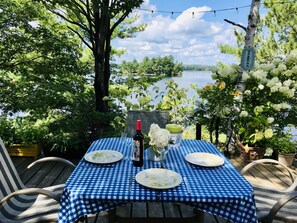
point(190, 39)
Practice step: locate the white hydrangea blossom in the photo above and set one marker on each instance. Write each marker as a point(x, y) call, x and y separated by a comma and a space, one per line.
point(261, 86)
point(243, 114)
point(282, 67)
point(287, 83)
point(214, 76)
point(258, 109)
point(245, 76)
point(288, 73)
point(272, 82)
point(259, 74)
point(285, 105)
point(270, 120)
point(294, 69)
point(247, 92)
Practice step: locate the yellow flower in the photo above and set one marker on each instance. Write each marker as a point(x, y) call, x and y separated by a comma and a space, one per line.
point(222, 85)
point(237, 93)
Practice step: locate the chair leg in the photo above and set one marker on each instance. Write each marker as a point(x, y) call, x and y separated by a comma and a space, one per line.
point(216, 219)
point(112, 216)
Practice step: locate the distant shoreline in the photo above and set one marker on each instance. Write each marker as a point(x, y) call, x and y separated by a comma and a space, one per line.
point(194, 67)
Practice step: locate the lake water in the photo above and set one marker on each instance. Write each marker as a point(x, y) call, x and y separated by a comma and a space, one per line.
point(201, 78)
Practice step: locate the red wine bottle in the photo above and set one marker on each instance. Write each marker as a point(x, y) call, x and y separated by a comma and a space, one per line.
point(138, 146)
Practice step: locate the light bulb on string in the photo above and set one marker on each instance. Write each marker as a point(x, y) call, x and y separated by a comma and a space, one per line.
point(193, 15)
point(214, 13)
point(237, 11)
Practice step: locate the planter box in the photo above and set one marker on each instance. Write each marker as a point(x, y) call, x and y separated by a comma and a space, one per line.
point(33, 150)
point(250, 154)
point(286, 159)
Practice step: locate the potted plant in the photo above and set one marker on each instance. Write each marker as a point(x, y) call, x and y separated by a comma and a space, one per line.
point(285, 147)
point(25, 136)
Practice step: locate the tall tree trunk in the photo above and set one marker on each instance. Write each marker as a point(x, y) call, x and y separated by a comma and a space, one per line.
point(101, 79)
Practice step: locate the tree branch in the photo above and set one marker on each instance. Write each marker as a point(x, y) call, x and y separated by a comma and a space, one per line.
point(118, 22)
point(68, 20)
point(81, 37)
point(235, 24)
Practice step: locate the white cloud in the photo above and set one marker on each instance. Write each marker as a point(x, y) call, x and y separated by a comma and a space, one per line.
point(187, 39)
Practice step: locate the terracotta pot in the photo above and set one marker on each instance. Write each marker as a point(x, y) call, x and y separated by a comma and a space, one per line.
point(251, 153)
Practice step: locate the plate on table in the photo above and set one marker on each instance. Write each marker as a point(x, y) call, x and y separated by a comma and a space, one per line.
point(158, 178)
point(204, 159)
point(103, 156)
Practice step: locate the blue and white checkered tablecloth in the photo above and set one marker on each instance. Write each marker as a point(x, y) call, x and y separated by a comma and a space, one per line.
point(222, 190)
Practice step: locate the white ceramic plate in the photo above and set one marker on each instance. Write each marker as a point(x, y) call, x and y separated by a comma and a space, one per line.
point(204, 159)
point(103, 156)
point(158, 178)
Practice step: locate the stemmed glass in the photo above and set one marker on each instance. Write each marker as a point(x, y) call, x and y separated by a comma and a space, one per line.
point(163, 151)
point(126, 140)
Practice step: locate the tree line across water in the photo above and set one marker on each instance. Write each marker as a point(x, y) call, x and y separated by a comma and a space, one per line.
point(159, 66)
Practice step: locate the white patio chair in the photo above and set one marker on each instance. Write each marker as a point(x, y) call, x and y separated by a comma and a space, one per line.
point(27, 205)
point(275, 204)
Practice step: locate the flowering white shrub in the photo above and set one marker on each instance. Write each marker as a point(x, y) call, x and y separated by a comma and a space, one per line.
point(267, 104)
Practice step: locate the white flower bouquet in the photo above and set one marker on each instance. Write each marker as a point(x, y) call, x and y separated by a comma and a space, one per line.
point(159, 138)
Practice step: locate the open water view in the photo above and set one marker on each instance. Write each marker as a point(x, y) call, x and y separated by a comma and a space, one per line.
point(201, 78)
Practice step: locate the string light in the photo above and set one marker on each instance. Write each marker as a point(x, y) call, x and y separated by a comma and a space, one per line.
point(213, 11)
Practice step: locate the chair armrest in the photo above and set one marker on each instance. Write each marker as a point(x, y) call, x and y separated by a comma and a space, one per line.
point(55, 159)
point(281, 202)
point(31, 191)
point(267, 161)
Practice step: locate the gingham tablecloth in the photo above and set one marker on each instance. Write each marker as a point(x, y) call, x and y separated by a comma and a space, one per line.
point(218, 190)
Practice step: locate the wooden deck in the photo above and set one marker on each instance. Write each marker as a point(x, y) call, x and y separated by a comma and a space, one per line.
point(52, 173)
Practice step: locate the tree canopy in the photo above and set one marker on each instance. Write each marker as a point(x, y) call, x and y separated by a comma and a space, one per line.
point(155, 66)
point(95, 22)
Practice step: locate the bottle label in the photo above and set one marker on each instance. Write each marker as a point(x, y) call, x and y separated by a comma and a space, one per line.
point(136, 150)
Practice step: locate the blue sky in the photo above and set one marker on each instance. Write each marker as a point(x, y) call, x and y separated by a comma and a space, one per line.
point(191, 39)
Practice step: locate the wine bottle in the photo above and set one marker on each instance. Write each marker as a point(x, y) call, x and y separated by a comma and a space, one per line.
point(138, 146)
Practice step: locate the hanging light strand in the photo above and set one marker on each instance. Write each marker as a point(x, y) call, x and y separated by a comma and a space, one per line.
point(211, 11)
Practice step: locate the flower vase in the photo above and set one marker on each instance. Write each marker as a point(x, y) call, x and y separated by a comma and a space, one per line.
point(153, 156)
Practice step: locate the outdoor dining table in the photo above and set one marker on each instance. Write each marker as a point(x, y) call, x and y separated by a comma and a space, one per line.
point(219, 190)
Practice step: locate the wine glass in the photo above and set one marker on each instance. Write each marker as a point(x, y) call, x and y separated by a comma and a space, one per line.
point(163, 151)
point(126, 141)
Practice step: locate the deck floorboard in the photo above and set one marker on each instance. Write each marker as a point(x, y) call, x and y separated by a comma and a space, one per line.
point(52, 173)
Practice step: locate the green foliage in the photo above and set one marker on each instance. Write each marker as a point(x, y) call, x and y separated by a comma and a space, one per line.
point(177, 103)
point(155, 66)
point(282, 144)
point(22, 131)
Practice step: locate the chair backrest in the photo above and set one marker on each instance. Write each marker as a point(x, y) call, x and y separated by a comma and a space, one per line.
point(147, 117)
point(9, 178)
